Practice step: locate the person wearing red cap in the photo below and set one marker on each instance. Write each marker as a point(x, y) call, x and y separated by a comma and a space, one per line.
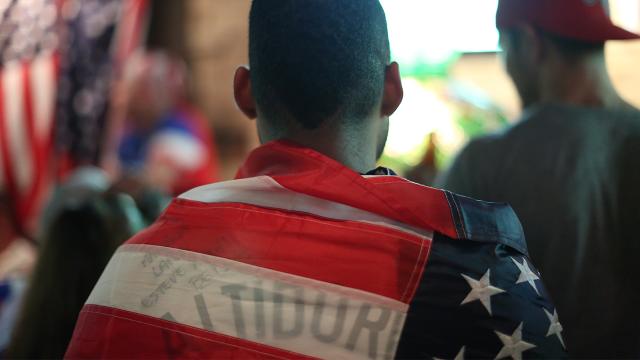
point(568, 167)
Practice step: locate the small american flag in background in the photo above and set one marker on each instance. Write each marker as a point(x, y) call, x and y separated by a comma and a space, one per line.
point(28, 55)
point(57, 58)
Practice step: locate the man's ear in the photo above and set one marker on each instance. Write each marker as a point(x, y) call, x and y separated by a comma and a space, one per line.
point(242, 92)
point(393, 92)
point(531, 44)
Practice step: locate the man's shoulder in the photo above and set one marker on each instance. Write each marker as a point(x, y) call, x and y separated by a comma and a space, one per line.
point(470, 219)
point(481, 150)
point(481, 288)
point(486, 222)
point(423, 207)
point(486, 142)
point(559, 117)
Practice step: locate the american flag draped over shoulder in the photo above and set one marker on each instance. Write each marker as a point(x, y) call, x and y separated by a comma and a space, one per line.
point(57, 58)
point(300, 257)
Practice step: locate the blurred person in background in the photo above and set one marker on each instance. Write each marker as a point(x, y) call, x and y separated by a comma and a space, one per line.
point(569, 168)
point(167, 142)
point(84, 224)
point(313, 251)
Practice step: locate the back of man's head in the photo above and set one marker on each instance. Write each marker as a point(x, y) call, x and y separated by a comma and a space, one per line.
point(313, 60)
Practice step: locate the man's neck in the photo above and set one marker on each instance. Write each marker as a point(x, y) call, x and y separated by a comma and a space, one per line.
point(353, 148)
point(583, 83)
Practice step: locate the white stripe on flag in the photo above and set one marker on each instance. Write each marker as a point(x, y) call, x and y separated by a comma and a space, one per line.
point(20, 149)
point(264, 191)
point(227, 297)
point(43, 90)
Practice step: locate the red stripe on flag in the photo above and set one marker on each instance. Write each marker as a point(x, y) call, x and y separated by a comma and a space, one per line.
point(353, 254)
point(146, 337)
point(54, 156)
point(129, 38)
point(42, 141)
point(28, 202)
point(7, 166)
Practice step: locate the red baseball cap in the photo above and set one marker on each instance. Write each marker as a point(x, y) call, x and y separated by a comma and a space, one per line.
point(585, 20)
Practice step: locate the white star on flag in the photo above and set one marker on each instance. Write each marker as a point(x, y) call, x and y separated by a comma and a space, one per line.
point(481, 290)
point(526, 274)
point(513, 345)
point(555, 328)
